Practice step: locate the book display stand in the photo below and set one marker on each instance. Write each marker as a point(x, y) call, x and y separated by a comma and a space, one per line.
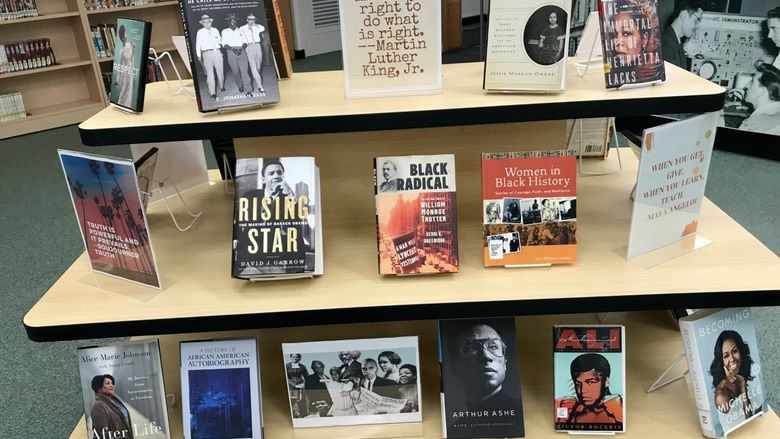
point(157, 59)
point(581, 152)
point(159, 189)
point(313, 119)
point(663, 380)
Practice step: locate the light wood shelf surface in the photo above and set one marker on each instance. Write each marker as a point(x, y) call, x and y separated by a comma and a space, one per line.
point(131, 8)
point(39, 18)
point(314, 103)
point(64, 64)
point(652, 343)
point(199, 292)
point(52, 116)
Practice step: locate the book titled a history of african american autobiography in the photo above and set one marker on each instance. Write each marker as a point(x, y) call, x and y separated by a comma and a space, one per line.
point(112, 221)
point(417, 229)
point(123, 391)
point(277, 221)
point(480, 374)
point(631, 42)
point(527, 45)
point(529, 208)
point(725, 368)
point(128, 78)
point(230, 53)
point(589, 364)
point(220, 389)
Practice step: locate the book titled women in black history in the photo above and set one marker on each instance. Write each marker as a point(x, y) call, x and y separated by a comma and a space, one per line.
point(123, 390)
point(631, 42)
point(277, 225)
point(128, 79)
point(590, 378)
point(416, 215)
point(230, 53)
point(220, 389)
point(480, 373)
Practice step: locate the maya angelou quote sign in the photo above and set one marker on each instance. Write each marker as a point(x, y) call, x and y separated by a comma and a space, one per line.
point(391, 47)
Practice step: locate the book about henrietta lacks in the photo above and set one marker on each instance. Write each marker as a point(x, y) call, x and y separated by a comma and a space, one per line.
point(277, 221)
point(112, 221)
point(230, 53)
point(220, 389)
point(123, 391)
point(480, 374)
point(529, 208)
point(590, 378)
point(725, 367)
point(631, 42)
point(417, 228)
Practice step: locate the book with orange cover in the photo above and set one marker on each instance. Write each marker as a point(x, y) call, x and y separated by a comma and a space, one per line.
point(529, 208)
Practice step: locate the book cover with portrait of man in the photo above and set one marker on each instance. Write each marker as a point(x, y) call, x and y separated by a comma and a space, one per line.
point(631, 42)
point(124, 395)
point(529, 208)
point(480, 374)
point(725, 367)
point(277, 224)
point(589, 378)
point(416, 214)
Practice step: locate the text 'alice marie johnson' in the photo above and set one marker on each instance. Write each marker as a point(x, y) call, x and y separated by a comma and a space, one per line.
point(274, 221)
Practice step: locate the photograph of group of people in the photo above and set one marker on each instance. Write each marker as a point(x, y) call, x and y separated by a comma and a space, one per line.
point(511, 238)
point(349, 382)
point(512, 223)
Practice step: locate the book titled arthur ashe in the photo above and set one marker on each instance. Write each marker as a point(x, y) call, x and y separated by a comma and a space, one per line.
point(417, 228)
point(230, 53)
point(123, 390)
point(590, 381)
point(631, 42)
point(480, 374)
point(220, 389)
point(527, 45)
point(529, 208)
point(725, 368)
point(277, 226)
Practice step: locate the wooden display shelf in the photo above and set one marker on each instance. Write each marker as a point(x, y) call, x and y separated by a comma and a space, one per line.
point(131, 8)
point(43, 118)
point(652, 342)
point(314, 103)
point(64, 64)
point(39, 18)
point(162, 48)
point(199, 292)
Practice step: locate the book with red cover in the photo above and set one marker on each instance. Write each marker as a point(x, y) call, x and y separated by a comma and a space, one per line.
point(529, 208)
point(417, 229)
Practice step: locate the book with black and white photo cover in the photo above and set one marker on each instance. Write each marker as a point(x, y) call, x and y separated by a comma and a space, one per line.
point(353, 382)
point(480, 377)
point(589, 364)
point(277, 220)
point(391, 47)
point(124, 395)
point(128, 79)
point(220, 389)
point(108, 206)
point(631, 42)
point(527, 46)
point(230, 53)
point(529, 208)
point(725, 367)
point(416, 214)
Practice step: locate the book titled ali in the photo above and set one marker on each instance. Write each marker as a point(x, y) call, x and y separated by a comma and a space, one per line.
point(529, 208)
point(112, 221)
point(220, 389)
point(123, 391)
point(128, 78)
point(480, 373)
point(725, 368)
point(228, 46)
point(631, 43)
point(527, 43)
point(277, 221)
point(417, 229)
point(589, 364)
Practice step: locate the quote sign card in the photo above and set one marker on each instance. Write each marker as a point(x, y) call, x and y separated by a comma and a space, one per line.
point(391, 47)
point(670, 186)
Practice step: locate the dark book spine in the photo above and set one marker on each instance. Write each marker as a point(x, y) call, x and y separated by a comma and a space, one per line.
point(278, 37)
point(606, 53)
point(193, 59)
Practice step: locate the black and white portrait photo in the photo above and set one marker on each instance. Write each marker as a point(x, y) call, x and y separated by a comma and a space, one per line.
point(544, 36)
point(531, 210)
point(353, 382)
point(492, 210)
point(499, 245)
point(568, 208)
point(512, 213)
